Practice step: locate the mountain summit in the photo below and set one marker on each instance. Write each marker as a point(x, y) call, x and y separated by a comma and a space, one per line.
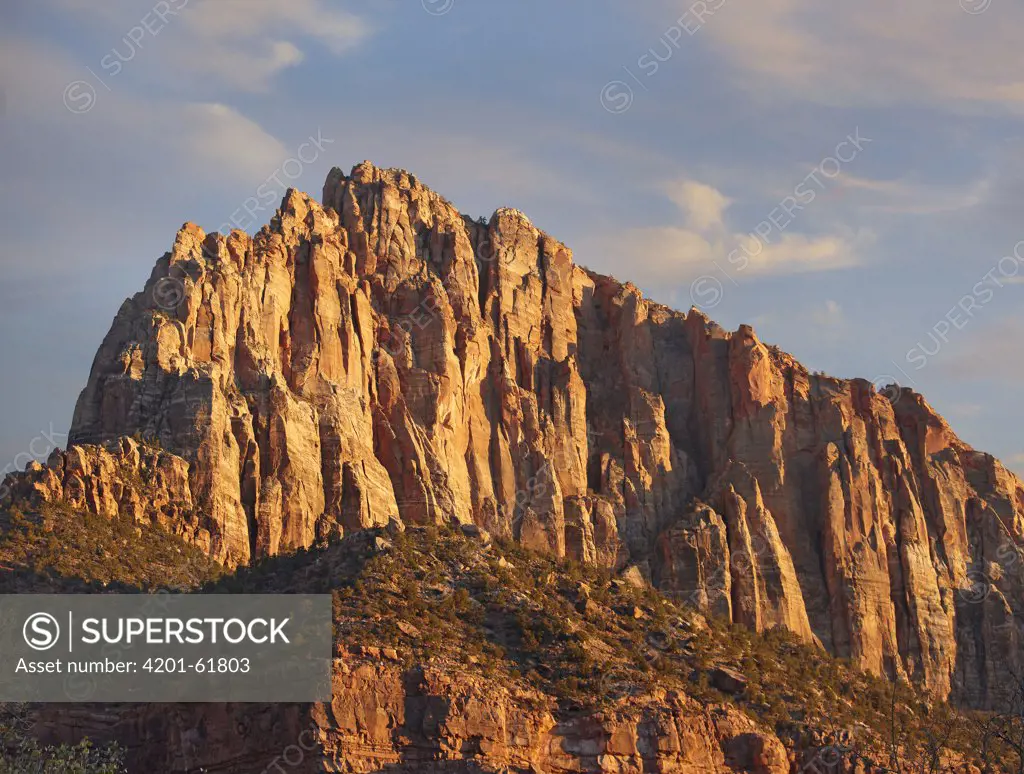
point(381, 357)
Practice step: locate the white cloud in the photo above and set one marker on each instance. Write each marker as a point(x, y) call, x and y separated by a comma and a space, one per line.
point(240, 44)
point(705, 243)
point(875, 53)
point(673, 254)
point(221, 139)
point(246, 42)
point(799, 253)
point(703, 205)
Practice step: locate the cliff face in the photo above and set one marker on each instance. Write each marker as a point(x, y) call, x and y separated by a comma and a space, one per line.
point(423, 719)
point(384, 357)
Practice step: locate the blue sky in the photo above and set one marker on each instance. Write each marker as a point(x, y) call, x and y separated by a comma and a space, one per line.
point(847, 177)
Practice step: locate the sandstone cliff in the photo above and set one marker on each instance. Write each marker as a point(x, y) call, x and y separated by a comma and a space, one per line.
point(386, 717)
point(381, 356)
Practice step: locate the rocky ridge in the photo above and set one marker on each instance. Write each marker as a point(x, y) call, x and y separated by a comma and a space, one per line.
point(382, 357)
point(473, 655)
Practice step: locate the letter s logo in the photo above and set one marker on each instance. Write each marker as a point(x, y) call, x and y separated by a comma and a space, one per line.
point(41, 631)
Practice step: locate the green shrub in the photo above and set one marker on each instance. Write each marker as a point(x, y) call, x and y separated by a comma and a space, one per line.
point(21, 754)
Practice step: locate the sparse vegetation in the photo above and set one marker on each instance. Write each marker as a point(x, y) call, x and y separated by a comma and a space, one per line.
point(588, 639)
point(571, 632)
point(22, 754)
point(61, 550)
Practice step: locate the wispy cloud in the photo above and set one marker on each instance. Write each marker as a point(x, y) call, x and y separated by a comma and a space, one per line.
point(208, 140)
point(224, 141)
point(829, 315)
point(246, 42)
point(910, 197)
point(707, 238)
point(875, 53)
point(239, 44)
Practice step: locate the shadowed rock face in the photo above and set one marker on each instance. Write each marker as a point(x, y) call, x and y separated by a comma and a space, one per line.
point(382, 356)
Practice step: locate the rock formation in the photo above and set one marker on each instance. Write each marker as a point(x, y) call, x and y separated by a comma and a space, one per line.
point(128, 479)
point(387, 717)
point(382, 356)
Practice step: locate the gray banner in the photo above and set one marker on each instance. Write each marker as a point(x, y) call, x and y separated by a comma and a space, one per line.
point(165, 647)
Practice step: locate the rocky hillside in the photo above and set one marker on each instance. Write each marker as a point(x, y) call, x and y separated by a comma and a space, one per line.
point(381, 356)
point(463, 654)
point(57, 550)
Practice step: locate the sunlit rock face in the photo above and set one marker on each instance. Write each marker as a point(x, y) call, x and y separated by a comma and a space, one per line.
point(381, 356)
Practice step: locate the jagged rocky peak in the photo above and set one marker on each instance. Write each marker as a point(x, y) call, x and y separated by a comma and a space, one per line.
point(382, 356)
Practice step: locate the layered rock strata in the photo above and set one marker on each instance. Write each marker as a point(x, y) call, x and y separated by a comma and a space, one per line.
point(381, 356)
point(384, 716)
